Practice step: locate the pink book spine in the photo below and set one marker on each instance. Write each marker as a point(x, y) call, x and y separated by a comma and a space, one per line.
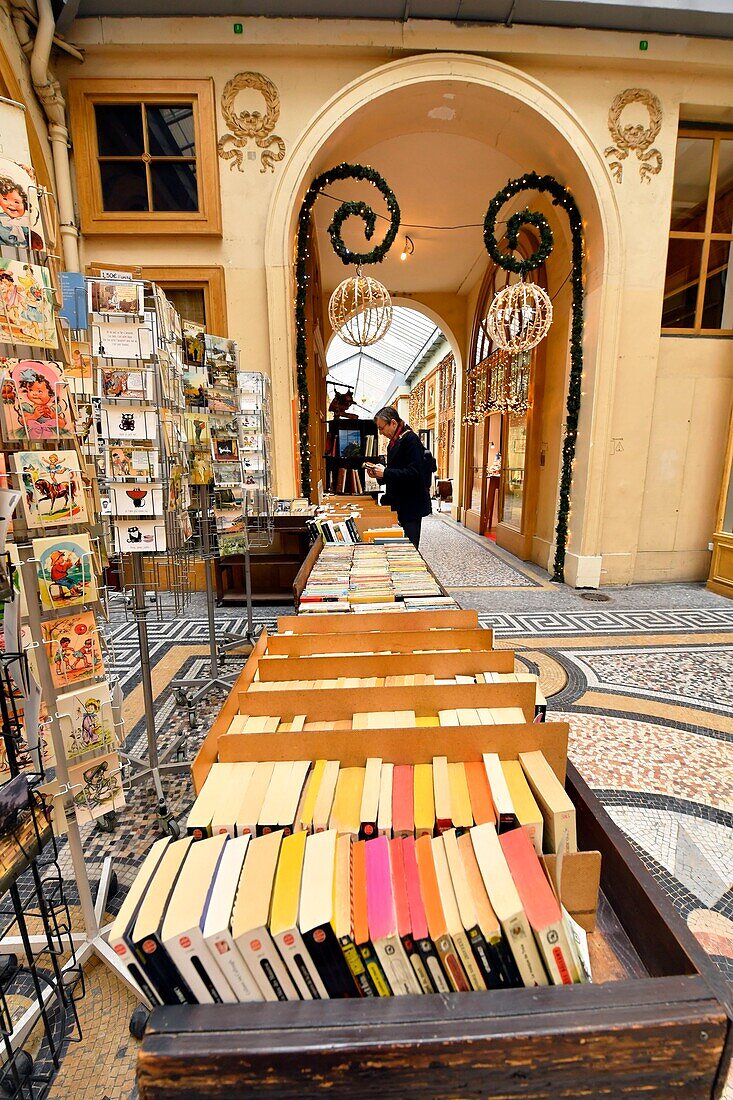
point(414, 897)
point(403, 806)
point(380, 904)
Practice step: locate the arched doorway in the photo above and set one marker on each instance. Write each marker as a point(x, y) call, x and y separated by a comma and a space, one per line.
point(478, 96)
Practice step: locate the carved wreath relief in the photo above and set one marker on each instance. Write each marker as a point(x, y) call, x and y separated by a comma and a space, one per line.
point(251, 124)
point(635, 138)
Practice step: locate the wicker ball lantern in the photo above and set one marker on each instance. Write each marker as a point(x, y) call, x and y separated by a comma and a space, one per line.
point(519, 317)
point(360, 310)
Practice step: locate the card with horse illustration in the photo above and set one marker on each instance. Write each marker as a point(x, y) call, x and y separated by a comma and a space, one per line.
point(52, 487)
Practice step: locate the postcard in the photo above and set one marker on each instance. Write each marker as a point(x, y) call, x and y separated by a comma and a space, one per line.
point(232, 544)
point(131, 462)
point(26, 305)
point(84, 424)
point(227, 473)
point(65, 569)
point(80, 370)
point(129, 422)
point(222, 400)
point(194, 348)
point(121, 383)
point(195, 386)
point(225, 449)
point(136, 500)
point(97, 787)
point(73, 648)
point(21, 225)
point(197, 429)
point(201, 471)
point(122, 341)
point(36, 405)
point(110, 297)
point(139, 536)
point(53, 491)
point(87, 720)
point(220, 351)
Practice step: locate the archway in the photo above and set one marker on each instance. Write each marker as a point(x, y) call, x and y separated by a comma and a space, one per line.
point(545, 136)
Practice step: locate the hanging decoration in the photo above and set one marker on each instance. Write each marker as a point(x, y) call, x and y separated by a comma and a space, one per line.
point(376, 255)
point(561, 197)
point(509, 378)
point(360, 310)
point(519, 317)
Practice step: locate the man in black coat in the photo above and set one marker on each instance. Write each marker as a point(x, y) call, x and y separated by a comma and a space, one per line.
point(404, 475)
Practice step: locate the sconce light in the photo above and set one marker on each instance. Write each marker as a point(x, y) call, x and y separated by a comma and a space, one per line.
point(407, 249)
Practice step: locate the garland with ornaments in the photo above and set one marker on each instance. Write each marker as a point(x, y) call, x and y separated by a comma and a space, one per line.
point(376, 255)
point(561, 197)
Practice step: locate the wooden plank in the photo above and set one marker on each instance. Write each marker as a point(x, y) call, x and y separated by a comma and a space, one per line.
point(384, 664)
point(392, 641)
point(349, 621)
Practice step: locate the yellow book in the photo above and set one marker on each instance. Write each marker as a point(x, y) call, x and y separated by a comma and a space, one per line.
point(427, 720)
point(423, 799)
point(283, 922)
point(324, 797)
point(346, 810)
point(526, 809)
point(558, 811)
point(304, 819)
point(460, 799)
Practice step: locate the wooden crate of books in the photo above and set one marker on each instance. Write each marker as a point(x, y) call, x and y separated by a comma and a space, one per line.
point(653, 1023)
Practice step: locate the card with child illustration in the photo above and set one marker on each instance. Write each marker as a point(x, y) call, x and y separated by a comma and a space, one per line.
point(73, 648)
point(26, 305)
point(36, 404)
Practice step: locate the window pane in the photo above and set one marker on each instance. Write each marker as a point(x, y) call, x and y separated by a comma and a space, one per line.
point(174, 186)
point(188, 301)
point(119, 129)
point(680, 288)
point(513, 471)
point(123, 185)
point(691, 183)
point(723, 211)
point(718, 308)
point(170, 131)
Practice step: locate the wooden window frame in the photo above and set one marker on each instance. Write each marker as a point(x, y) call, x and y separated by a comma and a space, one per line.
point(209, 279)
point(706, 235)
point(84, 95)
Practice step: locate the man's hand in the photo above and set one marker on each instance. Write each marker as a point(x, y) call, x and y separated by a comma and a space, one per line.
point(377, 470)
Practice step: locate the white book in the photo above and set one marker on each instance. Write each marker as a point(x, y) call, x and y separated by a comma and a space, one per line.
point(324, 798)
point(370, 794)
point(485, 716)
point(384, 815)
point(292, 793)
point(500, 795)
point(508, 716)
point(225, 811)
point(216, 929)
point(128, 913)
point(448, 717)
point(270, 814)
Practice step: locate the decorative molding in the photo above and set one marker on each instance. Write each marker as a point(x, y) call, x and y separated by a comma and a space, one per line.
point(251, 124)
point(635, 138)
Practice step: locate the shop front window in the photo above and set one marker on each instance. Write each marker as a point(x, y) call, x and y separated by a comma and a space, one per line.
point(514, 470)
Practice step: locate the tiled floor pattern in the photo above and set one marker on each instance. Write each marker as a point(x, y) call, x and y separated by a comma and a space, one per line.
point(643, 679)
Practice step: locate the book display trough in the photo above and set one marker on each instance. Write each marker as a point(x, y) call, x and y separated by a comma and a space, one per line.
point(654, 1019)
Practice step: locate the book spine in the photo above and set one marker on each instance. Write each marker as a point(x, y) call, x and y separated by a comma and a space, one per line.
point(222, 948)
point(452, 965)
point(199, 832)
point(127, 958)
point(417, 963)
point(162, 972)
point(524, 949)
point(300, 965)
point(433, 965)
point(357, 967)
point(508, 964)
point(462, 942)
point(188, 953)
point(557, 955)
point(506, 821)
point(442, 825)
point(487, 959)
point(267, 967)
point(329, 961)
point(367, 830)
point(374, 970)
point(397, 967)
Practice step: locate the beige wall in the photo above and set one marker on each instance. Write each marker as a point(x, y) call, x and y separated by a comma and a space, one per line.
point(651, 519)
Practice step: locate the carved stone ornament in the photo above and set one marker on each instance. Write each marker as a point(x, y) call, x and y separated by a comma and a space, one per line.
point(251, 124)
point(635, 138)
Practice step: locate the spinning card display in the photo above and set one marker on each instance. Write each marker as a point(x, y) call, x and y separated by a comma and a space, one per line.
point(128, 422)
point(136, 500)
point(53, 492)
point(65, 569)
point(79, 372)
point(115, 297)
point(97, 787)
point(26, 305)
point(139, 537)
point(73, 649)
point(120, 383)
point(21, 225)
point(87, 720)
point(132, 462)
point(194, 348)
point(122, 341)
point(35, 401)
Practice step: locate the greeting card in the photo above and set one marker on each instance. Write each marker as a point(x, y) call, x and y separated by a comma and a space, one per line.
point(53, 492)
point(131, 462)
point(139, 536)
point(21, 225)
point(65, 569)
point(128, 422)
point(121, 383)
point(136, 500)
point(115, 297)
point(35, 401)
point(195, 387)
point(201, 468)
point(225, 450)
point(197, 429)
point(97, 787)
point(194, 347)
point(26, 305)
point(87, 720)
point(80, 369)
point(122, 341)
point(73, 649)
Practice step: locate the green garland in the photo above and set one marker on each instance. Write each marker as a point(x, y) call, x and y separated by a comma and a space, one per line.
point(531, 181)
point(376, 255)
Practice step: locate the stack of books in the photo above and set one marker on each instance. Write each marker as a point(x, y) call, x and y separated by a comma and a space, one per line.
point(310, 916)
point(371, 577)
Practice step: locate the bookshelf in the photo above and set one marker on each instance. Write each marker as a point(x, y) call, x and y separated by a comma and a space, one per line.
point(350, 443)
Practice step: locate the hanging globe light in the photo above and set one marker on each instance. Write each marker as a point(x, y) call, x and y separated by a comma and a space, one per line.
point(360, 310)
point(519, 317)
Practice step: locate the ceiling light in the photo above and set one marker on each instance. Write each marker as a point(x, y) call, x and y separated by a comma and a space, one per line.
point(407, 249)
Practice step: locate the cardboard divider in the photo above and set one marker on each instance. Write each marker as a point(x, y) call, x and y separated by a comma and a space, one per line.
point(443, 665)
point(404, 746)
point(579, 885)
point(389, 641)
point(334, 704)
point(349, 621)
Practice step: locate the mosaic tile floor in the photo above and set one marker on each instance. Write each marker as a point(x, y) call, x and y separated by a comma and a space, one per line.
point(644, 680)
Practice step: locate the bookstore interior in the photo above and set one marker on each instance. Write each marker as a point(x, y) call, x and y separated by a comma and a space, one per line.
point(382, 811)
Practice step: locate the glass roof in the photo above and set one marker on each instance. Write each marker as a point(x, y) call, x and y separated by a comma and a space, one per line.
point(374, 371)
